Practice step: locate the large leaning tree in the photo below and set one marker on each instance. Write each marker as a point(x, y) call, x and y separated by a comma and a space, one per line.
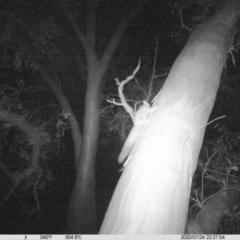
point(152, 194)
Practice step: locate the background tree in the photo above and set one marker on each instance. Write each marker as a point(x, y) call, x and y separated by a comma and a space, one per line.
point(82, 214)
point(37, 46)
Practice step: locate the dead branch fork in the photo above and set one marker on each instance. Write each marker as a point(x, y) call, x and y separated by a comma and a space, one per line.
point(123, 102)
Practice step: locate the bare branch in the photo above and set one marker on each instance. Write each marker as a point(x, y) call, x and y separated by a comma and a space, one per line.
point(77, 30)
point(161, 75)
point(140, 87)
point(124, 103)
point(36, 138)
point(114, 102)
point(182, 22)
point(91, 23)
point(76, 134)
point(153, 72)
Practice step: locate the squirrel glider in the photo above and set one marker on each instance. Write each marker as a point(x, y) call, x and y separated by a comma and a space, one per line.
point(139, 117)
point(139, 121)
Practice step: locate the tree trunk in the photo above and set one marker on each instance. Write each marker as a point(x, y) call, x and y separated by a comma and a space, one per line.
point(82, 212)
point(153, 192)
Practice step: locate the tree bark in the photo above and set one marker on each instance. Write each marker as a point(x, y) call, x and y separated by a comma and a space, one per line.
point(152, 194)
point(82, 213)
